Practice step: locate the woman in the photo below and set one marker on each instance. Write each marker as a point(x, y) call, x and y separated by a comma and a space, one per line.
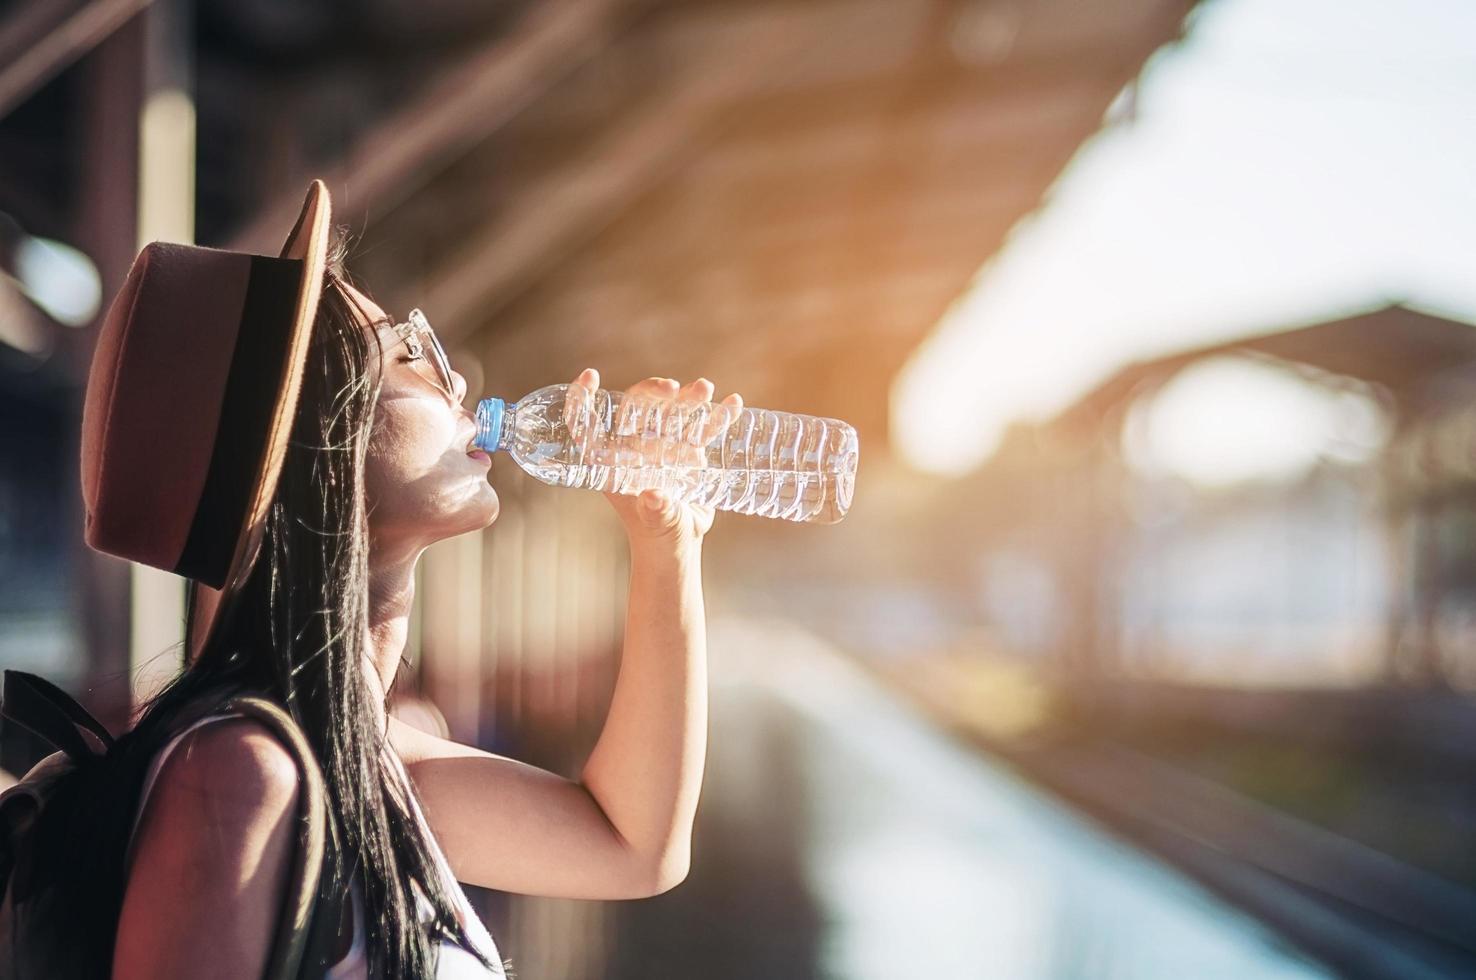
point(376, 469)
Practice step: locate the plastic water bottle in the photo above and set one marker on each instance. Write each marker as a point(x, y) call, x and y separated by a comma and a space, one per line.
point(754, 461)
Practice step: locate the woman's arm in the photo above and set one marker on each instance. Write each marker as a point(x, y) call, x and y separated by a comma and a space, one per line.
point(646, 769)
point(623, 830)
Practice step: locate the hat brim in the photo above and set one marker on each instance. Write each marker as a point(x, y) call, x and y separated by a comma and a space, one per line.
point(307, 242)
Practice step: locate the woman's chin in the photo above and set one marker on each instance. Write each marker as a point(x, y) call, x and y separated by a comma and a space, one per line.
point(491, 513)
point(461, 507)
point(465, 523)
point(482, 509)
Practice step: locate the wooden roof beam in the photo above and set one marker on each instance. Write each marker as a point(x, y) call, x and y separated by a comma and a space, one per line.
point(565, 211)
point(39, 40)
point(405, 151)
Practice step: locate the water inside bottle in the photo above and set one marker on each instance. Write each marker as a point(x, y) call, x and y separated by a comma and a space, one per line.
point(759, 462)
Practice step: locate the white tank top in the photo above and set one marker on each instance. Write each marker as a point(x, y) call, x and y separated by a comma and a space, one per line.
point(454, 963)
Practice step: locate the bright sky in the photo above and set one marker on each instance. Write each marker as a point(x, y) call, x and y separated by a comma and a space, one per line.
point(1291, 160)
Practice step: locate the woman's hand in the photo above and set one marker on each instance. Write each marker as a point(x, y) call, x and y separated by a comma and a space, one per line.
point(651, 518)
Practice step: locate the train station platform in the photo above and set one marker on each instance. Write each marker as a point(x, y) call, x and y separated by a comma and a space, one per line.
point(842, 834)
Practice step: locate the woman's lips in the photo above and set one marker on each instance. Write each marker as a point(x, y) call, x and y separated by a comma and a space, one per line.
point(480, 454)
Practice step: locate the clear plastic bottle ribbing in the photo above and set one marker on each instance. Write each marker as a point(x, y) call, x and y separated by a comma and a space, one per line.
point(772, 464)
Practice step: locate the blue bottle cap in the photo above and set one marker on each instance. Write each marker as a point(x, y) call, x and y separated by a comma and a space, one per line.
point(489, 424)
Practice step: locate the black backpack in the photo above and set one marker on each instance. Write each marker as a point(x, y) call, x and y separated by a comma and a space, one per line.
point(65, 826)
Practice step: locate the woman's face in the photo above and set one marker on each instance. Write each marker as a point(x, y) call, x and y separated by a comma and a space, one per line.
point(421, 483)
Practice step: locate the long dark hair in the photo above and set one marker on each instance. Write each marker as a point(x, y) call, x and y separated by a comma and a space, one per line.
point(298, 633)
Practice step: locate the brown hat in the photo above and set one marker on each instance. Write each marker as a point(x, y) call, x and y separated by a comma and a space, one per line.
point(190, 400)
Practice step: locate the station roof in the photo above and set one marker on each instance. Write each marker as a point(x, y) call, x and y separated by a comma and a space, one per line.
point(1395, 347)
point(782, 196)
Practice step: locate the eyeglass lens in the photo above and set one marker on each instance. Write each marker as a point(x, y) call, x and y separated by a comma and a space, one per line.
point(438, 353)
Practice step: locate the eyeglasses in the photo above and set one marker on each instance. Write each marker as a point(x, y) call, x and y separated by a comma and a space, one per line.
point(415, 332)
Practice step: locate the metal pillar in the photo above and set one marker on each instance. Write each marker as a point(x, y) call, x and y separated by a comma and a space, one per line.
point(166, 211)
point(110, 90)
point(136, 183)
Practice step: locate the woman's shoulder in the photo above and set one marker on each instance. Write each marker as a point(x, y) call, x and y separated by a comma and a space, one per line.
point(227, 776)
point(209, 751)
point(212, 718)
point(221, 743)
point(235, 755)
point(212, 851)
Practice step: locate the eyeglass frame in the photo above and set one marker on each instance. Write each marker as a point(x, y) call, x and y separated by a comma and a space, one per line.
point(410, 331)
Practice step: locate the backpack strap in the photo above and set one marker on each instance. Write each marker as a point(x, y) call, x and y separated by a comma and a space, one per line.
point(39, 705)
point(310, 915)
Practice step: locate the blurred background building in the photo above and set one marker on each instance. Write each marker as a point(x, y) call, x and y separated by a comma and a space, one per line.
point(1145, 648)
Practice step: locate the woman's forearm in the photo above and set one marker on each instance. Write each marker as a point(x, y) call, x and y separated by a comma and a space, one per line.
point(646, 768)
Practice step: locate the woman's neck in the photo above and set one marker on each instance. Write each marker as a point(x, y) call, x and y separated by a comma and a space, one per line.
point(391, 596)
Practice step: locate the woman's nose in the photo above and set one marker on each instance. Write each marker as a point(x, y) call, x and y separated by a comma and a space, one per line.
point(458, 385)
